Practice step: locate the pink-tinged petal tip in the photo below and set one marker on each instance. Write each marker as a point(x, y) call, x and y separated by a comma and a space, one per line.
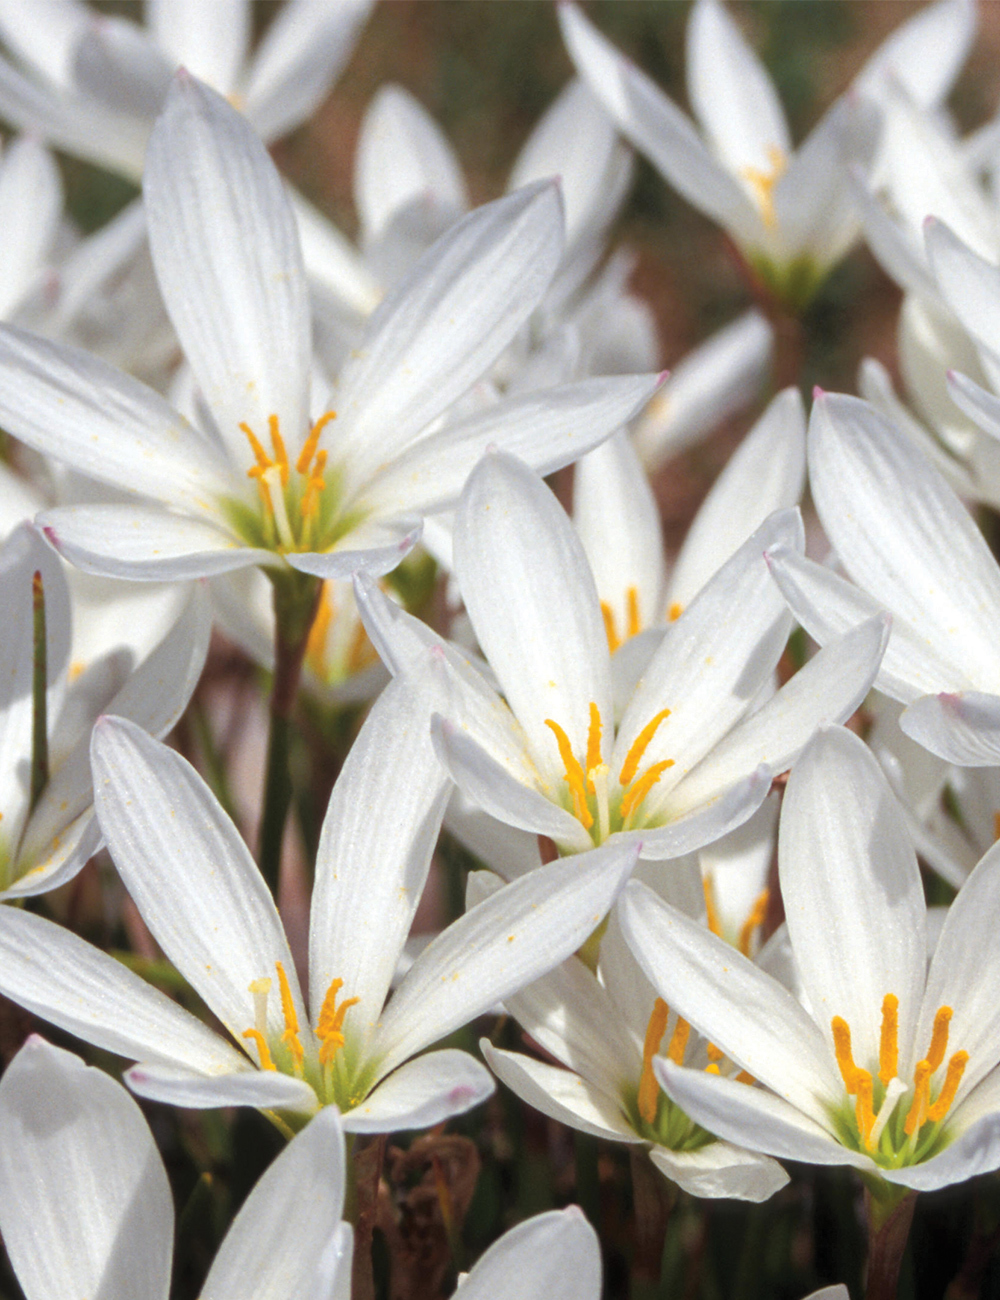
point(662, 377)
point(818, 392)
point(930, 223)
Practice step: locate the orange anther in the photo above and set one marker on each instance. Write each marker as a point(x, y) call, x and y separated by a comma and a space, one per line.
point(845, 1060)
point(939, 1037)
point(921, 1092)
point(594, 740)
point(635, 794)
point(956, 1068)
point(634, 623)
point(678, 1042)
point(888, 1047)
point(310, 444)
point(711, 911)
point(262, 1049)
point(649, 1089)
point(754, 921)
point(634, 756)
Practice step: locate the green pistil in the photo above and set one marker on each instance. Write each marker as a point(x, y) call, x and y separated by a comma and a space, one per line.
point(794, 284)
point(671, 1128)
point(894, 1149)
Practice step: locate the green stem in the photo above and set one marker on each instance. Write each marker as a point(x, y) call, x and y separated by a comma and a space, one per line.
point(39, 685)
point(296, 596)
point(890, 1212)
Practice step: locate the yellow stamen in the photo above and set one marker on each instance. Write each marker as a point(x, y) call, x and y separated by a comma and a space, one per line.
point(316, 643)
point(330, 1026)
point(291, 1035)
point(262, 1049)
point(863, 1112)
point(711, 912)
point(310, 444)
point(593, 741)
point(280, 455)
point(888, 1047)
point(845, 1060)
point(314, 486)
point(634, 756)
point(678, 1042)
point(921, 1094)
point(632, 610)
point(649, 1089)
point(576, 778)
point(635, 794)
point(956, 1068)
point(260, 455)
point(675, 611)
point(610, 631)
point(712, 1069)
point(939, 1037)
point(763, 183)
point(714, 1053)
point(754, 921)
point(743, 1077)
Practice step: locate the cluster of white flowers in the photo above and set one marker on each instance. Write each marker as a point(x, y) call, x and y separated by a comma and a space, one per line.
point(701, 897)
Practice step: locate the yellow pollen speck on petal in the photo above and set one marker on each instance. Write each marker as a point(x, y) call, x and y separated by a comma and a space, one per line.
point(939, 1037)
point(711, 911)
point(678, 1042)
point(754, 921)
point(956, 1068)
point(262, 1049)
point(845, 1060)
point(576, 778)
point(634, 756)
point(864, 1112)
point(76, 669)
point(649, 1089)
point(635, 794)
point(762, 183)
point(888, 1047)
point(632, 610)
point(610, 631)
point(675, 611)
point(921, 1095)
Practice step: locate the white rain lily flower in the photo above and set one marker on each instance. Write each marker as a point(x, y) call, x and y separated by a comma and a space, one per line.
point(96, 1216)
point(695, 750)
point(904, 537)
point(606, 1029)
point(47, 835)
point(790, 212)
point(553, 1256)
point(893, 1066)
point(265, 483)
point(206, 903)
point(92, 84)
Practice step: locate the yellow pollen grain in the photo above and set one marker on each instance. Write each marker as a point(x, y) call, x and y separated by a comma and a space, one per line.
point(593, 740)
point(888, 1046)
point(845, 1060)
point(632, 610)
point(265, 1056)
point(678, 1042)
point(711, 911)
point(921, 1095)
point(956, 1068)
point(576, 778)
point(649, 1089)
point(754, 921)
point(636, 793)
point(864, 1112)
point(634, 756)
point(675, 611)
point(939, 1037)
point(610, 631)
point(310, 444)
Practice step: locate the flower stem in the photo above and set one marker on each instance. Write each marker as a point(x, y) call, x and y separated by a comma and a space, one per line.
point(361, 1208)
point(890, 1213)
point(296, 596)
point(39, 685)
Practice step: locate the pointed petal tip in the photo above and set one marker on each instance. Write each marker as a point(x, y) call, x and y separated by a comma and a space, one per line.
point(662, 377)
point(818, 392)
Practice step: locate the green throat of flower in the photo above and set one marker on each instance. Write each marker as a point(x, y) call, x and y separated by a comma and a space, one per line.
point(300, 506)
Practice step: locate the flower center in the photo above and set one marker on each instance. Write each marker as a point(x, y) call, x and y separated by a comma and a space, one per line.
point(598, 805)
point(763, 182)
point(890, 1136)
point(298, 514)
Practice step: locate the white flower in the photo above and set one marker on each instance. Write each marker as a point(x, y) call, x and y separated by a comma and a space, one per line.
point(206, 903)
point(263, 482)
point(889, 1066)
point(695, 750)
point(85, 1206)
point(553, 1256)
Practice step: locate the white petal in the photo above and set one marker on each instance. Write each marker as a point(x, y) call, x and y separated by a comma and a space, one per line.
point(85, 1206)
point(772, 458)
point(961, 727)
point(976, 1151)
point(923, 54)
point(138, 542)
point(531, 597)
point(31, 201)
point(442, 326)
point(560, 1094)
point(263, 1089)
point(690, 828)
point(721, 1170)
point(969, 284)
point(118, 65)
point(298, 60)
point(73, 406)
point(422, 1093)
point(723, 995)
point(503, 944)
point(854, 903)
point(731, 92)
point(61, 978)
point(831, 686)
point(190, 874)
point(554, 1256)
point(375, 547)
point(375, 849)
point(272, 1240)
point(226, 249)
point(209, 40)
point(403, 155)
